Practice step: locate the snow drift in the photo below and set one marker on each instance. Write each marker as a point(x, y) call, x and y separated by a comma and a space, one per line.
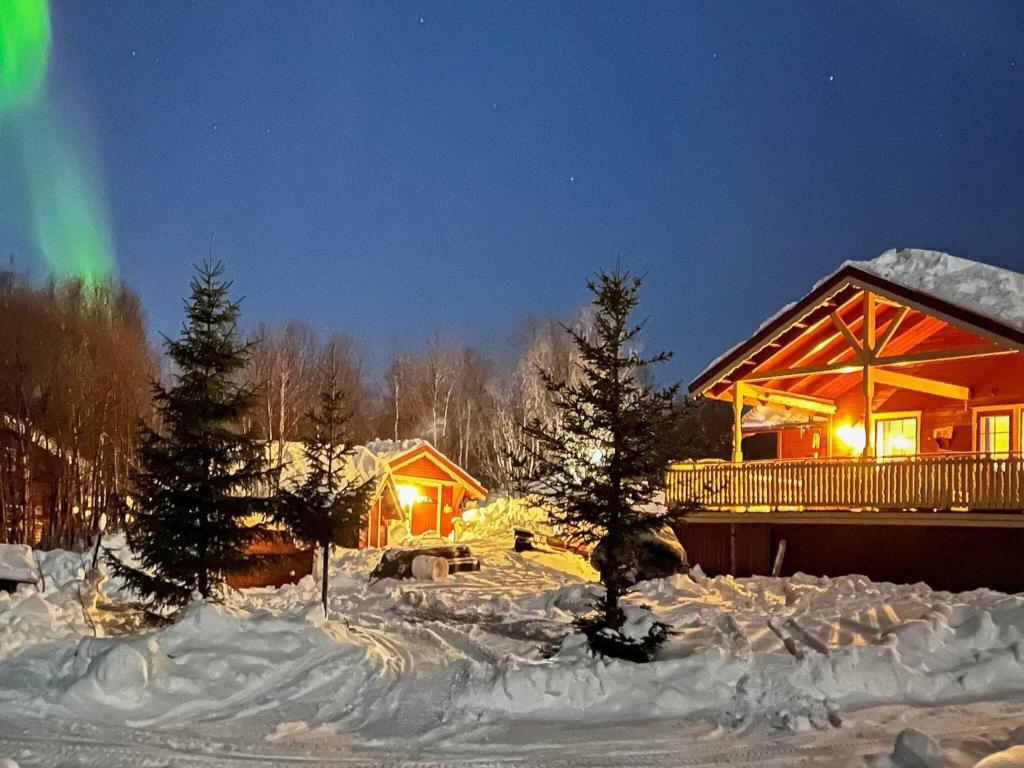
point(436, 656)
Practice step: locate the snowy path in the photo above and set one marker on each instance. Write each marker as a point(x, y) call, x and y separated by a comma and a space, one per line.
point(968, 732)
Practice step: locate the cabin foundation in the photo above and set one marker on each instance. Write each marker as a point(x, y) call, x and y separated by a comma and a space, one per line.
point(946, 557)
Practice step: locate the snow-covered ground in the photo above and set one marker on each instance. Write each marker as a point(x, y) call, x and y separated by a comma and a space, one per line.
point(760, 671)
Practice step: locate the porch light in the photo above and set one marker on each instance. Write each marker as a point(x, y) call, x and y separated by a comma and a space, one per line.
point(853, 437)
point(407, 495)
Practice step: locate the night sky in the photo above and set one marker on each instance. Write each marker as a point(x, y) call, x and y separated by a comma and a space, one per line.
point(395, 170)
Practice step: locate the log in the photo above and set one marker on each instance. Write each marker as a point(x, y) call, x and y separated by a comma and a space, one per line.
point(429, 568)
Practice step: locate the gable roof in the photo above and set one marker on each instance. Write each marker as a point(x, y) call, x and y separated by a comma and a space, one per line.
point(979, 297)
point(399, 453)
point(380, 459)
point(389, 449)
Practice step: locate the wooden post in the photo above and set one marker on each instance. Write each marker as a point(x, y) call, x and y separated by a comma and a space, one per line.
point(869, 396)
point(737, 423)
point(779, 554)
point(732, 549)
point(869, 379)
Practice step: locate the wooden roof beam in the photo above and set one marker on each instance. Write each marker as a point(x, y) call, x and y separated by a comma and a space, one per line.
point(942, 355)
point(806, 357)
point(891, 330)
point(788, 399)
point(912, 334)
point(804, 370)
point(945, 318)
point(844, 329)
point(921, 384)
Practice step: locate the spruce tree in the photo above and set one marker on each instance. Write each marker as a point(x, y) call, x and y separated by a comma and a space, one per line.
point(200, 477)
point(605, 458)
point(329, 506)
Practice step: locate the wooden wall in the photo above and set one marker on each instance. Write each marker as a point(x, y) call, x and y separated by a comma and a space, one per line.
point(277, 560)
point(422, 467)
point(992, 381)
point(796, 443)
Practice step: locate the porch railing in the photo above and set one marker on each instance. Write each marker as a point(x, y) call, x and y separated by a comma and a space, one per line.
point(947, 482)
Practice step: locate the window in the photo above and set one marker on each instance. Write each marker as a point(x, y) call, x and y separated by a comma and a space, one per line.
point(896, 436)
point(994, 434)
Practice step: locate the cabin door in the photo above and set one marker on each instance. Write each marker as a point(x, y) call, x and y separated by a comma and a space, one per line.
point(447, 510)
point(425, 511)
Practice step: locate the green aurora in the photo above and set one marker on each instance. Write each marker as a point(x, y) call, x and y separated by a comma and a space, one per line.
point(69, 220)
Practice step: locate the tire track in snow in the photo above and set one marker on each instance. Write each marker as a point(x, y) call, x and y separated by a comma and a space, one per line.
point(843, 749)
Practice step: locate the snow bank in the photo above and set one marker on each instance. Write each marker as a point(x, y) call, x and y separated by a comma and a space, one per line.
point(498, 518)
point(214, 660)
point(792, 652)
point(17, 564)
point(441, 656)
point(1005, 758)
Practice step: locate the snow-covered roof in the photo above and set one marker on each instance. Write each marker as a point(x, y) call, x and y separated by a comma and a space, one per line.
point(376, 459)
point(389, 449)
point(994, 292)
point(990, 292)
point(360, 466)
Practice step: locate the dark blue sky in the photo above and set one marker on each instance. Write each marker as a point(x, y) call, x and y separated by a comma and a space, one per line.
point(392, 170)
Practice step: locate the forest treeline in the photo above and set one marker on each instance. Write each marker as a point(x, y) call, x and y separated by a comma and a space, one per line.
point(77, 374)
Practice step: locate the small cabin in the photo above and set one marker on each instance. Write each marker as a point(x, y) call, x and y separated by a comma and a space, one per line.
point(431, 488)
point(416, 488)
point(885, 409)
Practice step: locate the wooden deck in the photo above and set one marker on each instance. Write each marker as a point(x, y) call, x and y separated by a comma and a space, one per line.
point(960, 482)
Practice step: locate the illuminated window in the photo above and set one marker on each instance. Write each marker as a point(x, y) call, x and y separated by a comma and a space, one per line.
point(896, 437)
point(994, 434)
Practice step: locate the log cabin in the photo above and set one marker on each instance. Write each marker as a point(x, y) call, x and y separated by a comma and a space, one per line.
point(890, 402)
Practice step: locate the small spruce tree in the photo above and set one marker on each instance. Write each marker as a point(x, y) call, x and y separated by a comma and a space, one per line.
point(200, 477)
point(329, 506)
point(605, 458)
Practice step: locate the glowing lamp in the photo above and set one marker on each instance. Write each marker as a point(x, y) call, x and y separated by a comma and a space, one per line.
point(407, 495)
point(853, 437)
